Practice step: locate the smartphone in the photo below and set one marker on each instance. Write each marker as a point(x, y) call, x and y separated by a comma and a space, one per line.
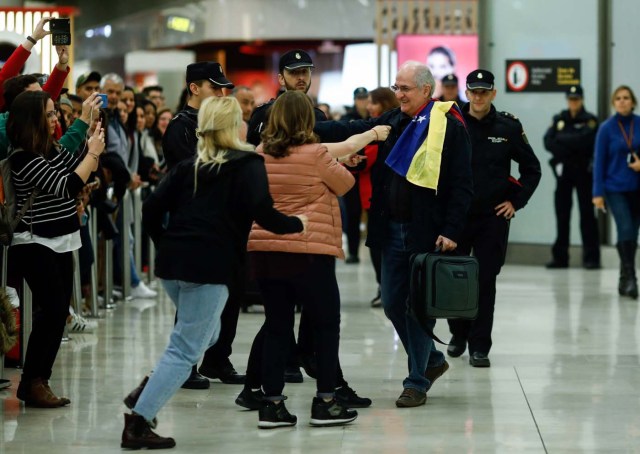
point(60, 31)
point(104, 100)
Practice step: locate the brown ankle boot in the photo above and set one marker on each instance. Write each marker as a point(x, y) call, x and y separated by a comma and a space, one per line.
point(36, 393)
point(64, 400)
point(137, 434)
point(132, 399)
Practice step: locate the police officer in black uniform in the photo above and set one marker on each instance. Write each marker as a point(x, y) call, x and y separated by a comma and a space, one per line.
point(497, 138)
point(204, 79)
point(450, 89)
point(571, 139)
point(294, 73)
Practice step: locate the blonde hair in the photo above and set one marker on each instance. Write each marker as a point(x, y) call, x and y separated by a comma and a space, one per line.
point(219, 123)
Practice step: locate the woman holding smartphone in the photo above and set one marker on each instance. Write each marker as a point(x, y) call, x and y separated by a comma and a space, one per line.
point(53, 178)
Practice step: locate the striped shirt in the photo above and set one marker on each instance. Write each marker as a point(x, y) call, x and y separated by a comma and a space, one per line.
point(53, 212)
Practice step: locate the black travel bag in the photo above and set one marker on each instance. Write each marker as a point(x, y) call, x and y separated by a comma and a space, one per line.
point(443, 286)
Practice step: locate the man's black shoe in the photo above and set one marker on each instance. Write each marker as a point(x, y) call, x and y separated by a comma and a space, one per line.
point(310, 365)
point(478, 359)
point(456, 347)
point(352, 259)
point(553, 265)
point(591, 265)
point(433, 373)
point(330, 413)
point(292, 374)
point(196, 381)
point(272, 415)
point(227, 374)
point(347, 397)
point(251, 400)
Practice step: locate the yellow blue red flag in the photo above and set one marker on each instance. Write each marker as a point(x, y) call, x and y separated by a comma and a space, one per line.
point(417, 155)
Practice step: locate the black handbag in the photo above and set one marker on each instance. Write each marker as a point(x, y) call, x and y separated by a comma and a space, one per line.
point(443, 286)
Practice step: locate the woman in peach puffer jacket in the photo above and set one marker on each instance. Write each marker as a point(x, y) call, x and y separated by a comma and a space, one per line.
point(305, 177)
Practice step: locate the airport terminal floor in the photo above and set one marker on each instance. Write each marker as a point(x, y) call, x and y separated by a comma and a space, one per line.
point(564, 378)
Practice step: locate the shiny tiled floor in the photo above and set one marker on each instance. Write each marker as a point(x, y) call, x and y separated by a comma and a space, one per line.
point(565, 379)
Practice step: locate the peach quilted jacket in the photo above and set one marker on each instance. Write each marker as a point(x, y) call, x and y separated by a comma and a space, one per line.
point(305, 182)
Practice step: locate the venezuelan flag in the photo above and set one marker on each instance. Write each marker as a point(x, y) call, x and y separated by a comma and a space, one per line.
point(417, 155)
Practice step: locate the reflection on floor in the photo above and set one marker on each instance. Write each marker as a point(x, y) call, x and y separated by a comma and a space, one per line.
point(565, 377)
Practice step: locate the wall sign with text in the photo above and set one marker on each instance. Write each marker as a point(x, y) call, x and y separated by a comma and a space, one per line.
point(541, 75)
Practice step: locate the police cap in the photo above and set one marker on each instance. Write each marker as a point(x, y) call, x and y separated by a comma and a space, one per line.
point(450, 80)
point(575, 91)
point(480, 78)
point(91, 76)
point(360, 93)
point(294, 59)
point(208, 70)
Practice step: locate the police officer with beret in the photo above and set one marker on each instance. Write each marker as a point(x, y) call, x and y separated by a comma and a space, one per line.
point(497, 138)
point(294, 73)
point(571, 139)
point(180, 141)
point(204, 79)
point(450, 89)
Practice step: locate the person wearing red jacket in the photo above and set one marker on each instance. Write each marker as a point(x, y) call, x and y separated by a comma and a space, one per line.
point(19, 57)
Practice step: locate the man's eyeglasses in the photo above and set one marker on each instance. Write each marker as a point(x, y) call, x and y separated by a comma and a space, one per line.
point(402, 89)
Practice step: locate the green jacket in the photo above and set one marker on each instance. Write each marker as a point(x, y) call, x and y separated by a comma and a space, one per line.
point(71, 140)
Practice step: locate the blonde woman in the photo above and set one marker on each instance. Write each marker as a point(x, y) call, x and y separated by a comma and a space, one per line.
point(212, 203)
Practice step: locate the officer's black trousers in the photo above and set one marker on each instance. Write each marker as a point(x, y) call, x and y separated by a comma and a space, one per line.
point(351, 210)
point(582, 181)
point(487, 237)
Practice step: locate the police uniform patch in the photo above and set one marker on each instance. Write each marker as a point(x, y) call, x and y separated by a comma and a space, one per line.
point(592, 124)
point(560, 125)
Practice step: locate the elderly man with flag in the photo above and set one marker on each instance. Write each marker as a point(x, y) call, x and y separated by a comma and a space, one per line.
point(422, 188)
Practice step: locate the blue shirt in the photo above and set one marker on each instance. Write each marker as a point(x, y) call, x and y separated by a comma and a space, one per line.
point(611, 170)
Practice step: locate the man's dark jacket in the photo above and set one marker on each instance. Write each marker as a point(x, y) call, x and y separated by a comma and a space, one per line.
point(432, 213)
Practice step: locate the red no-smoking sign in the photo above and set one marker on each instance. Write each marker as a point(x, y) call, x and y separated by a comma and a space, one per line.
point(517, 76)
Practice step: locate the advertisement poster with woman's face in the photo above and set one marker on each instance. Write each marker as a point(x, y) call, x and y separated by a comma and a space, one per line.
point(443, 54)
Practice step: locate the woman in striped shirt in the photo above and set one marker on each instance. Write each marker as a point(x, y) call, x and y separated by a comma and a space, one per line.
point(41, 251)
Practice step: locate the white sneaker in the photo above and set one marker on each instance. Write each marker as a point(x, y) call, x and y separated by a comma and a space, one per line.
point(142, 291)
point(79, 324)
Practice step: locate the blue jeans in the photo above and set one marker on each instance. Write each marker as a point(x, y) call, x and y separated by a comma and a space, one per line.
point(420, 348)
point(625, 207)
point(197, 328)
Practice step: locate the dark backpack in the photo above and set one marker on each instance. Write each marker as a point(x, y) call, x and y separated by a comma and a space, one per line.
point(9, 218)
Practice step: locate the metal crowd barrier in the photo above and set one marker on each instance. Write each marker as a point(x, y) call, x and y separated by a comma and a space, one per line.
point(137, 228)
point(125, 245)
point(93, 233)
point(5, 255)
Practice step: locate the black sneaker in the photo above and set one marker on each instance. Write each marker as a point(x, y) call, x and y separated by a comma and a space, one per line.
point(347, 397)
point(274, 415)
point(377, 300)
point(251, 400)
point(331, 413)
point(292, 374)
point(478, 359)
point(456, 347)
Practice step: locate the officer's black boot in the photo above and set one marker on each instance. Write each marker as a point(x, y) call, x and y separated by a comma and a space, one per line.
point(628, 285)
